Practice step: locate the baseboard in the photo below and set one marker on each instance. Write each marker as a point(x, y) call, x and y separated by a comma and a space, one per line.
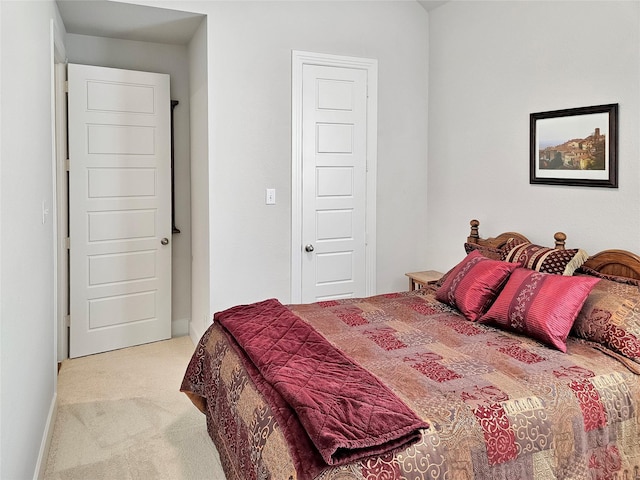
point(41, 465)
point(180, 327)
point(194, 334)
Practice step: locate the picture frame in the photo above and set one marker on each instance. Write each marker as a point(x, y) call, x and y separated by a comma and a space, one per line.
point(575, 146)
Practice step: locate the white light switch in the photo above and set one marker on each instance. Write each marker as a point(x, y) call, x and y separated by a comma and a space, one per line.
point(271, 196)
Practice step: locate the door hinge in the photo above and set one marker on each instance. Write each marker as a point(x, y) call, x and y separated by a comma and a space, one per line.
point(67, 243)
point(66, 86)
point(67, 164)
point(67, 321)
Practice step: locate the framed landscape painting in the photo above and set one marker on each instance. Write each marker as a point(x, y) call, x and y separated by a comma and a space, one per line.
point(576, 146)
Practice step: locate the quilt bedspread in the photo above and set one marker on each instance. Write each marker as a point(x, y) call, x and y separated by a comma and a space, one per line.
point(498, 405)
point(345, 410)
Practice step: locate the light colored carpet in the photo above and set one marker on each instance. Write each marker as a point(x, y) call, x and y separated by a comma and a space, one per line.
point(121, 416)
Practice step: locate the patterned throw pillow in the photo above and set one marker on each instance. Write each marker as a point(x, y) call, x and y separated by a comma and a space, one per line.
point(545, 259)
point(473, 284)
point(493, 253)
point(540, 305)
point(489, 252)
point(611, 317)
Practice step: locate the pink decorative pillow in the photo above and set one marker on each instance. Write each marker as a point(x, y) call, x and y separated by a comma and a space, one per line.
point(474, 283)
point(540, 305)
point(611, 316)
point(545, 259)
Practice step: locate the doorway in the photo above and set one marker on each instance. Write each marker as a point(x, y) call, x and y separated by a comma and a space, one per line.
point(180, 52)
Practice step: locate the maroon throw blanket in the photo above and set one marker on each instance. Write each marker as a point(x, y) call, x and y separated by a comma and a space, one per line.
point(346, 411)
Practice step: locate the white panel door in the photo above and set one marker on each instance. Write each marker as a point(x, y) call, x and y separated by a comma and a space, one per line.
point(119, 208)
point(334, 182)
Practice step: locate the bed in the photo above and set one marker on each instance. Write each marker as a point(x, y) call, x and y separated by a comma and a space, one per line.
point(522, 362)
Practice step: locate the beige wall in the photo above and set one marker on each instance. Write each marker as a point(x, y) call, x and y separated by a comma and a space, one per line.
point(250, 90)
point(491, 65)
point(27, 308)
point(200, 180)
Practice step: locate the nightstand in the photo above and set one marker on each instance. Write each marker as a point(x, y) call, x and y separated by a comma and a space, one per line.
point(417, 279)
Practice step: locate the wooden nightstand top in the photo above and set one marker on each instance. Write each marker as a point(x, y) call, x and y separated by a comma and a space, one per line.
point(423, 278)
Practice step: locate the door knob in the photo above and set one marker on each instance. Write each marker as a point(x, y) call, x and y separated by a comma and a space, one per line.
point(164, 241)
point(309, 248)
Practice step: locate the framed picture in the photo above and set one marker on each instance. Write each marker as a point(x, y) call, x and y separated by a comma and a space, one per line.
point(575, 146)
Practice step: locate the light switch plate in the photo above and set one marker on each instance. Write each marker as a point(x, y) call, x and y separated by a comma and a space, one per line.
point(271, 196)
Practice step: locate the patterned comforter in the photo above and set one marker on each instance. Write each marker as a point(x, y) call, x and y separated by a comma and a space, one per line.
point(499, 405)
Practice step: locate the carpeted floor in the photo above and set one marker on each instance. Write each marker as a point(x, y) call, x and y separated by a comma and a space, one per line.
point(121, 416)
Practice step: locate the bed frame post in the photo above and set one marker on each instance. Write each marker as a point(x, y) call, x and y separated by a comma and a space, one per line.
point(560, 238)
point(474, 236)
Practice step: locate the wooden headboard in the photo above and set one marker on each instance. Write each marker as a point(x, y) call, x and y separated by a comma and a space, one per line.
point(500, 241)
point(610, 262)
point(615, 262)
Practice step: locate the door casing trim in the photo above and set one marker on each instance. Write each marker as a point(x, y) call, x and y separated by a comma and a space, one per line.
point(60, 189)
point(298, 60)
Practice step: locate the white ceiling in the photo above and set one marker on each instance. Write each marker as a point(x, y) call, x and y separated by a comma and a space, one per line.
point(102, 18)
point(113, 19)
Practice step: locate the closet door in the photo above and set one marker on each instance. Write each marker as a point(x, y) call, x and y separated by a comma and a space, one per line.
point(119, 208)
point(333, 173)
point(334, 182)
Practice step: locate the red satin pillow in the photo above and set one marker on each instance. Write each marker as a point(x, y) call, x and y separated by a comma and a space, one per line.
point(473, 284)
point(540, 305)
